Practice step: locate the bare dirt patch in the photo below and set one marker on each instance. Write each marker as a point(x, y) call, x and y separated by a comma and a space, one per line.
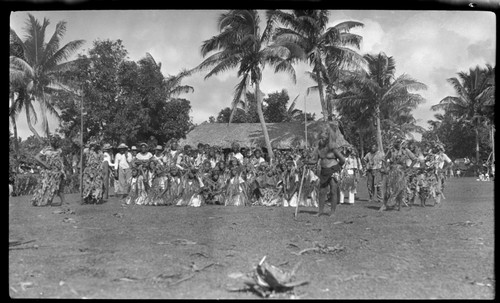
point(115, 251)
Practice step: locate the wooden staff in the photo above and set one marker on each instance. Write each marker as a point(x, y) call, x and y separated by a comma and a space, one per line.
point(300, 190)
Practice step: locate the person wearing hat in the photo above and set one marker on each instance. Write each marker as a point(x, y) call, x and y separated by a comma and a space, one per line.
point(144, 154)
point(158, 156)
point(134, 150)
point(122, 165)
point(107, 165)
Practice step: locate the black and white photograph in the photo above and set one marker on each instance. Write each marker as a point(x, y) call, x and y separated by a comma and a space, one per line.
point(280, 153)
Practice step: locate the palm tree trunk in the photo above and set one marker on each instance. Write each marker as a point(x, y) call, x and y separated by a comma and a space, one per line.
point(477, 145)
point(492, 143)
point(324, 108)
point(16, 142)
point(379, 130)
point(361, 146)
point(258, 97)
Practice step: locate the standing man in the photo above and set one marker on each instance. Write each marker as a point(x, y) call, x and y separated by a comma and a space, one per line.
point(331, 161)
point(106, 167)
point(373, 161)
point(122, 165)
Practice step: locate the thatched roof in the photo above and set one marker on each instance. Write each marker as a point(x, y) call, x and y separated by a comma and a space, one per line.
point(282, 135)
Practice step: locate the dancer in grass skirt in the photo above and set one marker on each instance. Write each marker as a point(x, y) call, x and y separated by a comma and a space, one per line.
point(235, 191)
point(51, 176)
point(175, 188)
point(191, 193)
point(137, 190)
point(270, 187)
point(395, 180)
point(93, 182)
point(159, 187)
point(291, 184)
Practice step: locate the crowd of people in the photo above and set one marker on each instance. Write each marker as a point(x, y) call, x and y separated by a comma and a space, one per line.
point(324, 173)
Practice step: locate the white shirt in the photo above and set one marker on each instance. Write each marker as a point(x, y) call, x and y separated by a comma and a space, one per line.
point(142, 157)
point(122, 161)
point(107, 157)
point(440, 159)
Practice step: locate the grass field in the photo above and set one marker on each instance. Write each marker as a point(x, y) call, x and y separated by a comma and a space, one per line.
point(115, 251)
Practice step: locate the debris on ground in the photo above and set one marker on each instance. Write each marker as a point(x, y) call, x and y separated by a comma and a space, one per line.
point(176, 242)
point(269, 281)
point(118, 215)
point(344, 222)
point(322, 249)
point(16, 244)
point(67, 211)
point(466, 223)
point(25, 285)
point(69, 220)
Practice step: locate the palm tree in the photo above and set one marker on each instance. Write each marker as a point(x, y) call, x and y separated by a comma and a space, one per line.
point(475, 91)
point(377, 88)
point(43, 65)
point(292, 113)
point(242, 44)
point(326, 49)
point(172, 83)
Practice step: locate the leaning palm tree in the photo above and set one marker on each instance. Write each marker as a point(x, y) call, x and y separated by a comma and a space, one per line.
point(475, 91)
point(327, 48)
point(378, 88)
point(241, 44)
point(44, 62)
point(172, 83)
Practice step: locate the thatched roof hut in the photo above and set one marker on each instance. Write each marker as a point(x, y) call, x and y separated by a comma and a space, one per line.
point(282, 135)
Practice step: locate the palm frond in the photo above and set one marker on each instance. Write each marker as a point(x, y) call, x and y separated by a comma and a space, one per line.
point(64, 53)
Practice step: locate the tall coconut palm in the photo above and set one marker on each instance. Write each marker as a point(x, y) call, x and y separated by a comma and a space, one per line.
point(241, 44)
point(327, 48)
point(44, 62)
point(475, 90)
point(378, 87)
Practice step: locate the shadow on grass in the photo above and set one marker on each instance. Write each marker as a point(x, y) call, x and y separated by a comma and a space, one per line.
point(312, 212)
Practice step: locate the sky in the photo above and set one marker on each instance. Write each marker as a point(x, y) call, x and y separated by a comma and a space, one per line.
point(430, 46)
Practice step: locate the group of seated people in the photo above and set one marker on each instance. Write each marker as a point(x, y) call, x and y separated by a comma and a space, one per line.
point(206, 175)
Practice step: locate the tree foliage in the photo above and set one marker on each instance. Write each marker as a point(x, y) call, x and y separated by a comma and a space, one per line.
point(124, 100)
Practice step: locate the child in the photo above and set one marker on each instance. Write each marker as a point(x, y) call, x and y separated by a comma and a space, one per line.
point(137, 191)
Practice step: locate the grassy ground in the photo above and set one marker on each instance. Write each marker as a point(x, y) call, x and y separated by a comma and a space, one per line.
point(115, 251)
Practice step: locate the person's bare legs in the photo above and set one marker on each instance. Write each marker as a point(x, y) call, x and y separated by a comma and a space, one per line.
point(334, 196)
point(323, 196)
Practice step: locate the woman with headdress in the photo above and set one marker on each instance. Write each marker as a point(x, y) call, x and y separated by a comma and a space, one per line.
point(235, 190)
point(93, 185)
point(291, 184)
point(159, 187)
point(395, 179)
point(270, 187)
point(175, 186)
point(137, 190)
point(52, 175)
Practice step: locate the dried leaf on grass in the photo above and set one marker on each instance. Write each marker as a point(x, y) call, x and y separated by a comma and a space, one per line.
point(268, 280)
point(67, 211)
point(176, 242)
point(466, 223)
point(322, 249)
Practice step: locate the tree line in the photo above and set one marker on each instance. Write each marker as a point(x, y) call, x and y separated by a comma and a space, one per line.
point(129, 101)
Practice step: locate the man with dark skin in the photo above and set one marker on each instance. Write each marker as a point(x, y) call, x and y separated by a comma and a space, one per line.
point(331, 161)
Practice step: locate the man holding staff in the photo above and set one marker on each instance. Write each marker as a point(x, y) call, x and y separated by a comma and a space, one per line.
point(331, 161)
